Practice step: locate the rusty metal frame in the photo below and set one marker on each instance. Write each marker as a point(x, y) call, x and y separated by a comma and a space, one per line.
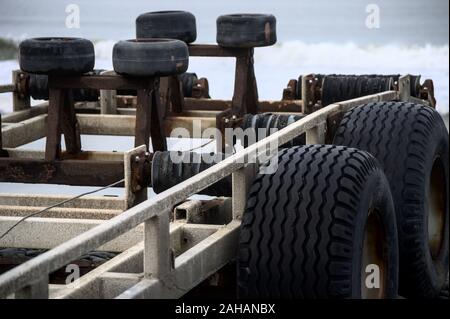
point(161, 277)
point(149, 124)
point(150, 117)
point(162, 274)
point(27, 125)
point(79, 168)
point(245, 95)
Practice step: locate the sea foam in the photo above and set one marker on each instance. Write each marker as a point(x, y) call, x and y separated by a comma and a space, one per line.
point(275, 66)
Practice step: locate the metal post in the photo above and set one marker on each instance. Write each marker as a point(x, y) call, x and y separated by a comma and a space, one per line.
point(316, 135)
point(149, 118)
point(157, 256)
point(404, 87)
point(69, 124)
point(173, 91)
point(245, 96)
point(21, 99)
point(132, 196)
point(3, 153)
point(108, 102)
point(157, 128)
point(37, 290)
point(53, 131)
point(241, 182)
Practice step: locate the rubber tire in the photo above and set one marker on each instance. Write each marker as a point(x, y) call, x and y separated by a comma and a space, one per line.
point(178, 25)
point(150, 57)
point(268, 121)
point(246, 30)
point(337, 88)
point(62, 56)
point(188, 81)
point(303, 227)
point(406, 138)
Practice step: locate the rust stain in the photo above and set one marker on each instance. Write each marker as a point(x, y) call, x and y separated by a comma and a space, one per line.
point(267, 31)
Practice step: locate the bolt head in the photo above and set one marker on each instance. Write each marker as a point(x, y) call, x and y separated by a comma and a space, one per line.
point(227, 120)
point(137, 159)
point(234, 117)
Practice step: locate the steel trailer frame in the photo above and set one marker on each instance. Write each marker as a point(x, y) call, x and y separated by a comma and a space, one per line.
point(157, 258)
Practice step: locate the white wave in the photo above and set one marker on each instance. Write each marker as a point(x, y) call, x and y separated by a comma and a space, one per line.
point(276, 65)
point(103, 54)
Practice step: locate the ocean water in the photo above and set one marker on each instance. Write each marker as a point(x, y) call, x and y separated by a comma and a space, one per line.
point(320, 36)
point(401, 21)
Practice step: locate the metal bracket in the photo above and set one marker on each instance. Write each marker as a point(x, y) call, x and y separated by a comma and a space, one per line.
point(404, 87)
point(289, 93)
point(245, 96)
point(215, 211)
point(187, 210)
point(108, 98)
point(200, 89)
point(317, 134)
point(3, 153)
point(309, 93)
point(427, 92)
point(21, 97)
point(134, 161)
point(171, 93)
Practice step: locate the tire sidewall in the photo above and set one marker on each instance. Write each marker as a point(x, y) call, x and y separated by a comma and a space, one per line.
point(437, 268)
point(376, 197)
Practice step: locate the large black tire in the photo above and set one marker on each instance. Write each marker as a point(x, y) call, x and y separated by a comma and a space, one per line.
point(411, 143)
point(246, 30)
point(310, 229)
point(178, 25)
point(150, 57)
point(63, 56)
